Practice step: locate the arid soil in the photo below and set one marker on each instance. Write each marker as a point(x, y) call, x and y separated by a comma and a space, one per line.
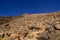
point(31, 27)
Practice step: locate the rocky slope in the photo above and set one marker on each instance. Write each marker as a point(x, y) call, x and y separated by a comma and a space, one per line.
point(31, 27)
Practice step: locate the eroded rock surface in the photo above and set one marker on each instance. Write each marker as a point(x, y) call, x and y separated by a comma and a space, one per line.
point(31, 27)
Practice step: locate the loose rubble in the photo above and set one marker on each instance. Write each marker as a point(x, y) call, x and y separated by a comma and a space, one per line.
point(31, 27)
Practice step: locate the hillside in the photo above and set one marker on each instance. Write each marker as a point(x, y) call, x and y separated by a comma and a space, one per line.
point(31, 27)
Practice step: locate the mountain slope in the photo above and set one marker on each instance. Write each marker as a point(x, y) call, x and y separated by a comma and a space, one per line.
point(31, 27)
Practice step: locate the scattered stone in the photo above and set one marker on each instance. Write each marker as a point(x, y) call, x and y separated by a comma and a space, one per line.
point(31, 27)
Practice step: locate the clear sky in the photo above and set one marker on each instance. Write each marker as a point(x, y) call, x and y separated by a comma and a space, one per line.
point(19, 7)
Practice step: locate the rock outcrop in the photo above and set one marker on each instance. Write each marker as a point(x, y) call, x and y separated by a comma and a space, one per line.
point(31, 27)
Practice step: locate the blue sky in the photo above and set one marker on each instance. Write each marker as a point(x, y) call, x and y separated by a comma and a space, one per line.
point(19, 7)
